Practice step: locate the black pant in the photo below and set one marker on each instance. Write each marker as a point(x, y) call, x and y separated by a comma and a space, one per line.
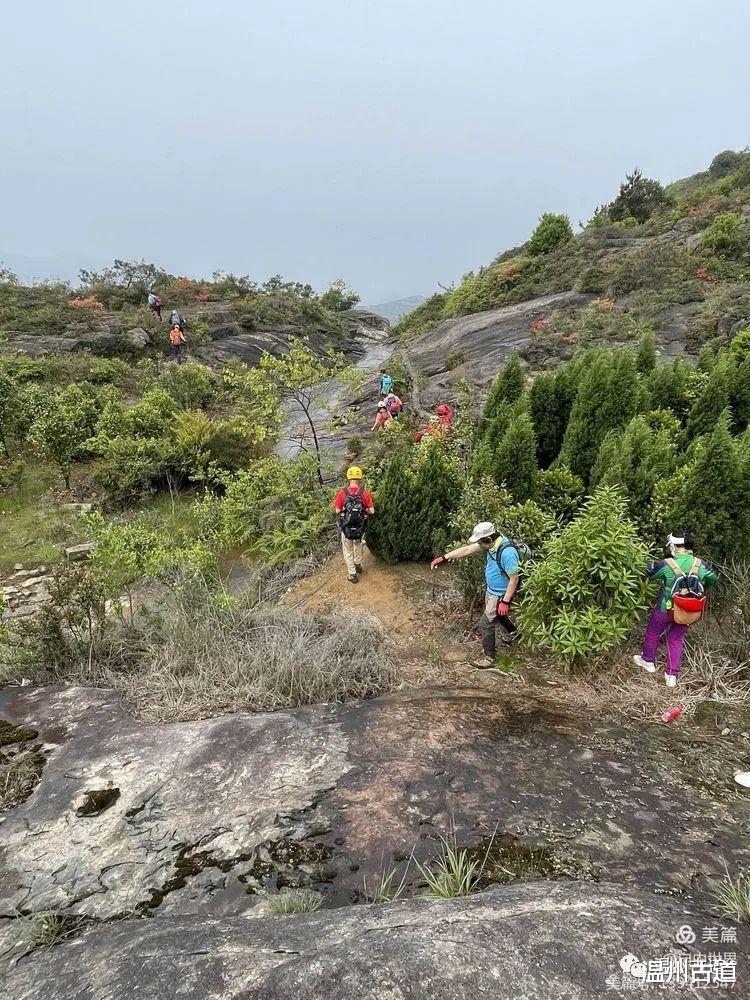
point(487, 630)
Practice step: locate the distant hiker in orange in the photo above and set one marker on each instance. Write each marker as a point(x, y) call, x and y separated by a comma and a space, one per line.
point(445, 419)
point(177, 342)
point(353, 505)
point(381, 417)
point(154, 304)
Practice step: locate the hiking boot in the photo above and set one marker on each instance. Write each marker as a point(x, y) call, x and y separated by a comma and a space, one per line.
point(671, 680)
point(485, 663)
point(352, 578)
point(644, 664)
point(358, 568)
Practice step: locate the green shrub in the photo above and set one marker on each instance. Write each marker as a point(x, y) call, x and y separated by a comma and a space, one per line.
point(551, 231)
point(559, 492)
point(453, 359)
point(725, 235)
point(514, 460)
point(585, 591)
point(338, 297)
point(725, 162)
point(192, 385)
point(427, 315)
point(108, 371)
point(638, 199)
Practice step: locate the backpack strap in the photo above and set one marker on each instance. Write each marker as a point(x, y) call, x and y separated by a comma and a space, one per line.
point(675, 567)
point(697, 563)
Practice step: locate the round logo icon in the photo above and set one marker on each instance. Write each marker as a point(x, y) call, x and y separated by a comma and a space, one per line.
point(685, 935)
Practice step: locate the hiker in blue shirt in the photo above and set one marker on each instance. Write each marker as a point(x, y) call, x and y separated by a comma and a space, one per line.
point(386, 384)
point(501, 575)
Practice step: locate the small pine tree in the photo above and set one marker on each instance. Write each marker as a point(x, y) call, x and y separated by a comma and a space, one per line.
point(395, 510)
point(549, 406)
point(515, 459)
point(583, 595)
point(507, 388)
point(413, 505)
point(670, 388)
point(712, 495)
point(635, 460)
point(607, 399)
point(646, 358)
point(711, 402)
point(739, 395)
point(639, 197)
point(551, 231)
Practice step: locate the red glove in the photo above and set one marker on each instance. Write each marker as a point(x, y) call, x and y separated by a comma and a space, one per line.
point(437, 562)
point(503, 607)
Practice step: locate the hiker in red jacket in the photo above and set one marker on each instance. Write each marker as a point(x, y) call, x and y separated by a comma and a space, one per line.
point(444, 414)
point(382, 417)
point(353, 505)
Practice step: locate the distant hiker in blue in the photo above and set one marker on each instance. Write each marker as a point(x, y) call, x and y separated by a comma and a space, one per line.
point(501, 573)
point(386, 384)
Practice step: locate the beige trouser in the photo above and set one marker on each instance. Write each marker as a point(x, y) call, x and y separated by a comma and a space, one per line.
point(352, 549)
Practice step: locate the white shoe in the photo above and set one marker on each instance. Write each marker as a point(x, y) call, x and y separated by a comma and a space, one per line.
point(743, 778)
point(645, 664)
point(671, 680)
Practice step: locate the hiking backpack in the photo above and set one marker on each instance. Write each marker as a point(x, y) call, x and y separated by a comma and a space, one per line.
point(688, 594)
point(524, 552)
point(353, 516)
point(176, 337)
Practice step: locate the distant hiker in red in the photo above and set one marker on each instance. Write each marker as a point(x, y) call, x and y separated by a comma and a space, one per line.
point(353, 506)
point(177, 342)
point(445, 419)
point(682, 600)
point(381, 417)
point(154, 304)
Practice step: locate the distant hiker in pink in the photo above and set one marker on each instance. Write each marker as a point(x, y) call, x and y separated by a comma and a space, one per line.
point(682, 600)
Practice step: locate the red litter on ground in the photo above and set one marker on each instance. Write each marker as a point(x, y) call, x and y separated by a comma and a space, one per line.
point(671, 714)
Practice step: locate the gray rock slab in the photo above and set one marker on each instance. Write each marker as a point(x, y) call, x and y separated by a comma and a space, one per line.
point(524, 942)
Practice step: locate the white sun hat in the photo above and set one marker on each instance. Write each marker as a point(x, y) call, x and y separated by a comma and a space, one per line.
point(482, 530)
point(743, 778)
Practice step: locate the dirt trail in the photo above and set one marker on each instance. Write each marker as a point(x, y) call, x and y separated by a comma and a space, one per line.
point(403, 598)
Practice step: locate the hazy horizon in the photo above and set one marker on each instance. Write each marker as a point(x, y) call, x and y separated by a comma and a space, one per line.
point(396, 145)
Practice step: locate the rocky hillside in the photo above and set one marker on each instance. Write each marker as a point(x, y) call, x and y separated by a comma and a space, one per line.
point(675, 261)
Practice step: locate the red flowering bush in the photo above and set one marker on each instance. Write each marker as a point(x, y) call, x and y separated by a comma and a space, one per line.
point(703, 274)
point(541, 324)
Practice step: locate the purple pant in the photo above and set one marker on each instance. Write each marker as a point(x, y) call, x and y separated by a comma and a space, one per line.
point(660, 623)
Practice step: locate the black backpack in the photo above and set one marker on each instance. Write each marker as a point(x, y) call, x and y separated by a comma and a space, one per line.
point(353, 518)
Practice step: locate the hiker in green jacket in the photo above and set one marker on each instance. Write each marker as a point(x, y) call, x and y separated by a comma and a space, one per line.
point(682, 600)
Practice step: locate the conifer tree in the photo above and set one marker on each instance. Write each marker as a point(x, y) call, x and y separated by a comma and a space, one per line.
point(636, 460)
point(739, 395)
point(395, 510)
point(413, 506)
point(712, 498)
point(507, 388)
point(549, 406)
point(607, 399)
point(711, 402)
point(670, 387)
point(646, 357)
point(515, 459)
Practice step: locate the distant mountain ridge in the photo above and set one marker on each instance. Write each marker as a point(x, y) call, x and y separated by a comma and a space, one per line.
point(394, 310)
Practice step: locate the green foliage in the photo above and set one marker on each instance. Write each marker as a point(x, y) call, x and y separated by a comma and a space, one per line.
point(725, 162)
point(559, 492)
point(712, 400)
point(635, 460)
point(191, 385)
point(424, 317)
point(607, 399)
point(295, 901)
point(515, 458)
point(639, 198)
point(43, 308)
point(583, 594)
point(59, 431)
point(711, 496)
point(9, 390)
point(414, 499)
point(673, 387)
point(338, 297)
point(549, 405)
point(507, 388)
point(551, 231)
point(725, 235)
point(646, 358)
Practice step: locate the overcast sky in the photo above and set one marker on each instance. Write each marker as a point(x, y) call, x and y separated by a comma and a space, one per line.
point(396, 143)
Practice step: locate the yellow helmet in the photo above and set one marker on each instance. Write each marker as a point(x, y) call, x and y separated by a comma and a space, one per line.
point(354, 472)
